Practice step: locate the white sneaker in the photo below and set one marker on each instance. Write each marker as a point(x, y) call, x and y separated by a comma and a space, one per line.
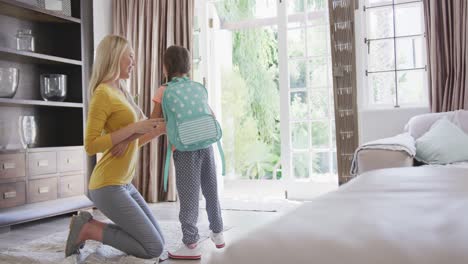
point(218, 239)
point(186, 252)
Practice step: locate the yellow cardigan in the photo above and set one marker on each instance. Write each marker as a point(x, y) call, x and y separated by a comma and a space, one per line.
point(109, 111)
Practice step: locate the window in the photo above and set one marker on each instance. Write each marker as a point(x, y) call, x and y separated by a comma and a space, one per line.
point(312, 122)
point(271, 67)
point(394, 39)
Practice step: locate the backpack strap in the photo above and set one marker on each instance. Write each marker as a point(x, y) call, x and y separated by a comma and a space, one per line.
point(166, 166)
point(223, 161)
point(169, 147)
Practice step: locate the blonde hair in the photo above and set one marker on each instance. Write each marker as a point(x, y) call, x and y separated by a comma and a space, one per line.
point(107, 67)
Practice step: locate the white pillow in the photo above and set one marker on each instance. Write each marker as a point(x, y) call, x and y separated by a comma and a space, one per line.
point(444, 143)
point(420, 124)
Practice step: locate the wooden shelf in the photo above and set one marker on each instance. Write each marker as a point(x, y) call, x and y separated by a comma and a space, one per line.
point(16, 102)
point(32, 57)
point(66, 47)
point(35, 211)
point(25, 11)
point(42, 149)
point(39, 149)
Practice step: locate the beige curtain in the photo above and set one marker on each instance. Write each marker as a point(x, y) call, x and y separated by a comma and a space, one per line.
point(131, 19)
point(175, 28)
point(341, 14)
point(447, 46)
point(151, 26)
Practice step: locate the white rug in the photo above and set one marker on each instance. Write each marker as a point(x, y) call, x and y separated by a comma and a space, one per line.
point(50, 249)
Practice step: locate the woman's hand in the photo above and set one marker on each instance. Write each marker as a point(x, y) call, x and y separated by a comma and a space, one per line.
point(161, 129)
point(146, 126)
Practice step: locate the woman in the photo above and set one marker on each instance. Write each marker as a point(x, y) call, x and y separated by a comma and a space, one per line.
point(113, 127)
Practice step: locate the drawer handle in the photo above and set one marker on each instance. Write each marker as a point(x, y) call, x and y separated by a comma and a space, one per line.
point(9, 195)
point(43, 163)
point(71, 161)
point(69, 186)
point(8, 165)
point(43, 189)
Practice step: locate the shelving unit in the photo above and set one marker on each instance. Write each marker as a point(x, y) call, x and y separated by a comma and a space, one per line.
point(32, 57)
point(50, 178)
point(18, 102)
point(33, 13)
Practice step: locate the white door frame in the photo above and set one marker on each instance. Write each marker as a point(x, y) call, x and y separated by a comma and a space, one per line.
point(285, 128)
point(212, 73)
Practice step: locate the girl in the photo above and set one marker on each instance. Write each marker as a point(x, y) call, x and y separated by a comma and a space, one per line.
point(193, 169)
point(113, 120)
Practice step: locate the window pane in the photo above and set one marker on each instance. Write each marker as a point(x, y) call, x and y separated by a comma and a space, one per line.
point(297, 74)
point(333, 131)
point(296, 6)
point(405, 1)
point(317, 5)
point(300, 162)
point(335, 164)
point(382, 88)
point(248, 88)
point(381, 55)
point(197, 75)
point(229, 10)
point(311, 19)
point(196, 26)
point(296, 43)
point(196, 46)
point(299, 108)
point(320, 134)
point(318, 69)
point(321, 163)
point(411, 87)
point(410, 53)
point(317, 18)
point(385, 2)
point(319, 104)
point(380, 22)
point(300, 135)
point(317, 40)
point(409, 19)
point(378, 2)
point(299, 6)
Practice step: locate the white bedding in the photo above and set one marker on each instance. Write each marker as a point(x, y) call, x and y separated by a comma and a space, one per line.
point(402, 142)
point(405, 215)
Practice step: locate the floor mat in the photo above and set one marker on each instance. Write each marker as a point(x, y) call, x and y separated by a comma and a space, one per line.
point(50, 249)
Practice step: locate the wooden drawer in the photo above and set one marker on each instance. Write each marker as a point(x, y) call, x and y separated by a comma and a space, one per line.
point(71, 186)
point(12, 165)
point(42, 190)
point(12, 194)
point(42, 163)
point(70, 160)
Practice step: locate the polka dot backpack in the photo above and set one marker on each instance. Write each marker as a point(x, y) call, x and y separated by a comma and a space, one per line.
point(190, 122)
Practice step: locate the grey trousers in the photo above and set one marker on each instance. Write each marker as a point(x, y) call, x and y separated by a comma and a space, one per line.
point(135, 232)
point(194, 169)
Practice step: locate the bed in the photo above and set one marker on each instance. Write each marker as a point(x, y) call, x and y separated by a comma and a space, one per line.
point(402, 215)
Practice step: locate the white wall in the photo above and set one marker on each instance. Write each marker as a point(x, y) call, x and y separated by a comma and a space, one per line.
point(102, 15)
point(376, 123)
